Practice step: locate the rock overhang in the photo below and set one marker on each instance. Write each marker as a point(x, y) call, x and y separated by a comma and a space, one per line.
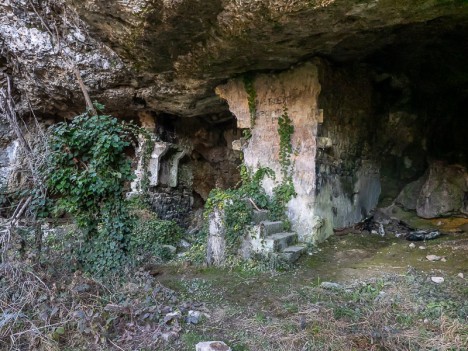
point(168, 56)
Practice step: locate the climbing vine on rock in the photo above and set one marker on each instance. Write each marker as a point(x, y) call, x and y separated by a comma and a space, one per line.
point(251, 98)
point(285, 191)
point(89, 171)
point(236, 203)
point(147, 141)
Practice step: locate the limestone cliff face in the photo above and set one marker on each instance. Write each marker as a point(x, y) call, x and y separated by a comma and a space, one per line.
point(385, 100)
point(336, 178)
point(168, 55)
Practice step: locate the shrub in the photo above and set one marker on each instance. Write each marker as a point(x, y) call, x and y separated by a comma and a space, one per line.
point(88, 171)
point(149, 237)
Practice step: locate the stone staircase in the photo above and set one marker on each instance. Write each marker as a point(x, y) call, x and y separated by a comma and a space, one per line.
point(269, 238)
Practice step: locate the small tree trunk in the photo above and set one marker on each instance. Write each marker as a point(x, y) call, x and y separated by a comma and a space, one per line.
point(89, 103)
point(38, 240)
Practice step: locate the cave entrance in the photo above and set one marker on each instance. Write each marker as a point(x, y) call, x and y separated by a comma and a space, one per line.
point(421, 94)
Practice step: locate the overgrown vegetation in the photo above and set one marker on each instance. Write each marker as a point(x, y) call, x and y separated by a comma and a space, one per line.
point(237, 204)
point(152, 239)
point(285, 191)
point(88, 172)
point(366, 300)
point(251, 97)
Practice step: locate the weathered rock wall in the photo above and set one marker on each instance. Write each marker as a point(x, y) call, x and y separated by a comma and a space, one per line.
point(168, 55)
point(189, 157)
point(348, 171)
point(8, 152)
point(336, 170)
point(172, 204)
point(296, 92)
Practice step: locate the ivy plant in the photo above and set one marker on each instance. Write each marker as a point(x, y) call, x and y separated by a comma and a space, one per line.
point(284, 191)
point(150, 235)
point(251, 97)
point(88, 173)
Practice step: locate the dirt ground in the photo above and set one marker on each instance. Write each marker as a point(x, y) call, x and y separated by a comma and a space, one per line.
point(385, 299)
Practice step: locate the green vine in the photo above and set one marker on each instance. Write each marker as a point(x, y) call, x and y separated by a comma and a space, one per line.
point(285, 191)
point(235, 202)
point(148, 147)
point(236, 206)
point(251, 98)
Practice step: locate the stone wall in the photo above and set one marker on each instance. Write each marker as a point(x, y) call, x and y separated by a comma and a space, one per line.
point(172, 204)
point(188, 159)
point(297, 90)
point(348, 170)
point(335, 175)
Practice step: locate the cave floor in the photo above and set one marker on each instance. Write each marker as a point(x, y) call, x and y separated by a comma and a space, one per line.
point(385, 299)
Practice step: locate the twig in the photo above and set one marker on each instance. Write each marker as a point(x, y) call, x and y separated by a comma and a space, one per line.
point(89, 103)
point(39, 328)
point(253, 203)
point(115, 345)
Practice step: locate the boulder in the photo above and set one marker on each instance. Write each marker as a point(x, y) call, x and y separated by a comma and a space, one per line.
point(212, 346)
point(443, 192)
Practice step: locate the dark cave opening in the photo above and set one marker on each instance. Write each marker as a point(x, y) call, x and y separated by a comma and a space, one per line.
point(427, 75)
point(421, 94)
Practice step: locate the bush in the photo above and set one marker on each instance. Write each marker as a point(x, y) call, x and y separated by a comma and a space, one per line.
point(149, 237)
point(88, 172)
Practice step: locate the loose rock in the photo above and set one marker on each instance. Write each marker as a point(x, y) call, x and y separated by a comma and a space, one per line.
point(437, 280)
point(171, 316)
point(169, 336)
point(212, 346)
point(330, 285)
point(194, 317)
point(422, 235)
point(433, 258)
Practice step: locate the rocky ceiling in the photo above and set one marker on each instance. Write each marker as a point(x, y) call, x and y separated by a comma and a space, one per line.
point(168, 55)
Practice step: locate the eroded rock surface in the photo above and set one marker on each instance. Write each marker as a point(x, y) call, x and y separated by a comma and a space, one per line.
point(169, 55)
point(443, 192)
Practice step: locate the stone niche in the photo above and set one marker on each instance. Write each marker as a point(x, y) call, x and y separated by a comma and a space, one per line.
point(326, 197)
point(189, 157)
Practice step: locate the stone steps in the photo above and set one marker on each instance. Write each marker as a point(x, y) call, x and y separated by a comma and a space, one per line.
point(269, 237)
point(268, 227)
point(278, 241)
point(260, 216)
point(292, 253)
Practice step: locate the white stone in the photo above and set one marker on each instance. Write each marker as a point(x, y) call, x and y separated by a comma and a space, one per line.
point(437, 280)
point(212, 346)
point(461, 275)
point(412, 246)
point(216, 246)
point(194, 317)
point(237, 145)
point(330, 285)
point(185, 244)
point(433, 258)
